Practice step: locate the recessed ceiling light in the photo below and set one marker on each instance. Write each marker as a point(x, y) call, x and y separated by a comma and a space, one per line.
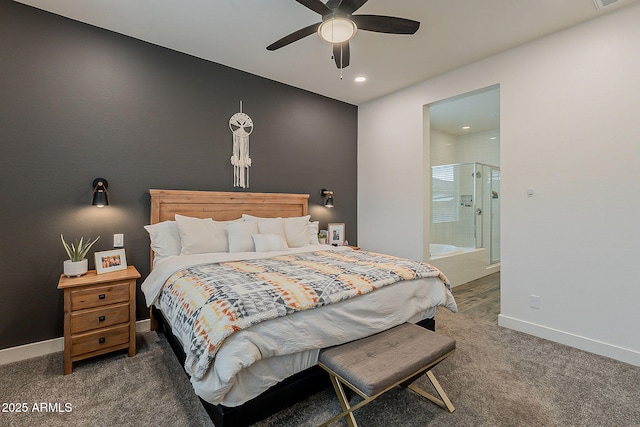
point(360, 79)
point(493, 137)
point(466, 127)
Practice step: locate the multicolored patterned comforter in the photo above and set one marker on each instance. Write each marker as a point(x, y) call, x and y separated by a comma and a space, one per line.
point(207, 303)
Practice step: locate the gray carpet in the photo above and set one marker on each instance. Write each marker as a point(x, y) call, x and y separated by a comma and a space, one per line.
point(497, 377)
point(110, 390)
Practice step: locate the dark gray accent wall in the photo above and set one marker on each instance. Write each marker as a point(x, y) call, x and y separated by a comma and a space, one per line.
point(78, 102)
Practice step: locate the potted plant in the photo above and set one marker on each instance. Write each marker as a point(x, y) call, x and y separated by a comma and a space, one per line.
point(322, 237)
point(77, 264)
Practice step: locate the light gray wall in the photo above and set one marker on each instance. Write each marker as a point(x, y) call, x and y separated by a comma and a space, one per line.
point(569, 130)
point(78, 102)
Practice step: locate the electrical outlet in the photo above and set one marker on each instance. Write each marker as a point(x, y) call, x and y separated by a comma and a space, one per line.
point(118, 240)
point(534, 301)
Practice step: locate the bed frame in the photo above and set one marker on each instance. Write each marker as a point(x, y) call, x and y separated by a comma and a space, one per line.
point(224, 206)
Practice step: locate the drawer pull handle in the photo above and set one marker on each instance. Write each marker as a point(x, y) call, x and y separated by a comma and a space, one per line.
point(102, 340)
point(101, 319)
point(102, 296)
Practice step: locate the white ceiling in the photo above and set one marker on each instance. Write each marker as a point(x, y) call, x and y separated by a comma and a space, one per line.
point(235, 33)
point(478, 111)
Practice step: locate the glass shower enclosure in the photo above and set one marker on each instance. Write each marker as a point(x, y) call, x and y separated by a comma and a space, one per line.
point(465, 207)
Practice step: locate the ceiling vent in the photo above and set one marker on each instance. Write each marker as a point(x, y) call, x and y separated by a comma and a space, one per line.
point(601, 4)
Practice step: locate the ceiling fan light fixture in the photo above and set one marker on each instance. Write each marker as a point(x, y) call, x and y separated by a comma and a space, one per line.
point(337, 30)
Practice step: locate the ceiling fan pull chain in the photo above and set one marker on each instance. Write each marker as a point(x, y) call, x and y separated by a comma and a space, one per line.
point(341, 67)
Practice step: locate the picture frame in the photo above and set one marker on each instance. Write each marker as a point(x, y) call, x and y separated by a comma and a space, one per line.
point(108, 261)
point(336, 233)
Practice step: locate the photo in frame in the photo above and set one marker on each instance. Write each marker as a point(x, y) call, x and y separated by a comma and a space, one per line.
point(336, 233)
point(108, 261)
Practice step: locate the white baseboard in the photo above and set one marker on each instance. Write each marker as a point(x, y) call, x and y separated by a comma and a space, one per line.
point(40, 348)
point(583, 343)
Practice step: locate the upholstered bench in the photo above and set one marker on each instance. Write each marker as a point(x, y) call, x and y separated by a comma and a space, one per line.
point(374, 365)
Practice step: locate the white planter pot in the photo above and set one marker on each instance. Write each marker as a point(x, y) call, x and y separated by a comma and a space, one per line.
point(75, 268)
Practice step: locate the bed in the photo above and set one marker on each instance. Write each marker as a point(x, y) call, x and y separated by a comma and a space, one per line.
point(264, 359)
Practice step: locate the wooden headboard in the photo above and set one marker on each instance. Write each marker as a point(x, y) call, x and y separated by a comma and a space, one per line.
point(223, 206)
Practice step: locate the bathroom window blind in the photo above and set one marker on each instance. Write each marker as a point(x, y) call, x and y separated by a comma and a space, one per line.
point(443, 194)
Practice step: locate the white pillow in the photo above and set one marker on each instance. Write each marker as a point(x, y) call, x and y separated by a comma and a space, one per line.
point(199, 236)
point(272, 226)
point(248, 217)
point(267, 225)
point(240, 239)
point(294, 228)
point(269, 242)
point(312, 231)
point(165, 239)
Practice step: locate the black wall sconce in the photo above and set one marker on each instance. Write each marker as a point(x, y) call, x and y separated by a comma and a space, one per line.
point(100, 195)
point(328, 198)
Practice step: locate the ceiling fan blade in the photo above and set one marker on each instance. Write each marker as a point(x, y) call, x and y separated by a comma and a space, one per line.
point(315, 5)
point(334, 4)
point(386, 24)
point(294, 37)
point(341, 54)
point(350, 6)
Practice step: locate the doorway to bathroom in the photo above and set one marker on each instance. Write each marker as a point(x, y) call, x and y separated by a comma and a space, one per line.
point(464, 183)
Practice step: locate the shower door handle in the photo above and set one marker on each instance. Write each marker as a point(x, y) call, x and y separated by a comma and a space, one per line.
point(478, 211)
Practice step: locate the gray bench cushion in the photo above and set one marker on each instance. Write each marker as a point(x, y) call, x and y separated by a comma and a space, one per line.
point(377, 362)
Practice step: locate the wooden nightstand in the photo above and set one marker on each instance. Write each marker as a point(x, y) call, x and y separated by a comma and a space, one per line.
point(99, 314)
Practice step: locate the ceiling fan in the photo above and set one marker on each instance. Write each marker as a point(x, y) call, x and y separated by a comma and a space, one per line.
point(338, 26)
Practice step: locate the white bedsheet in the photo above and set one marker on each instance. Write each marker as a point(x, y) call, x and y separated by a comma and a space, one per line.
point(254, 359)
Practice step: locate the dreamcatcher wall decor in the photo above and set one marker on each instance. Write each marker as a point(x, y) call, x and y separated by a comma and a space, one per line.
point(241, 126)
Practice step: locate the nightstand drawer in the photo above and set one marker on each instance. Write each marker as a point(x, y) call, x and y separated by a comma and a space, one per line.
point(99, 296)
point(94, 318)
point(98, 340)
